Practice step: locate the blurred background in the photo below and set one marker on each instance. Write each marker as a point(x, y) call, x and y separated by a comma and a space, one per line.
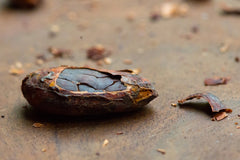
point(175, 44)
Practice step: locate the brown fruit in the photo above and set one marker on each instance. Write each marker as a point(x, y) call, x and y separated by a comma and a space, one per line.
point(86, 91)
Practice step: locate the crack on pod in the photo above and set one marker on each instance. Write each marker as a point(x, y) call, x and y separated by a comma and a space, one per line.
point(90, 80)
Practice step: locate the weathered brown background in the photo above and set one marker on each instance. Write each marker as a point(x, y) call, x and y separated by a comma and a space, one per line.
point(166, 51)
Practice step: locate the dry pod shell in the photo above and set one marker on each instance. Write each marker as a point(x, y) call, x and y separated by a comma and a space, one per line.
point(86, 91)
point(214, 102)
point(216, 81)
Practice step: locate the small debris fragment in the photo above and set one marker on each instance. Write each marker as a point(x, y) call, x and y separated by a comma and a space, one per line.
point(97, 52)
point(107, 60)
point(93, 4)
point(54, 30)
point(44, 150)
point(18, 65)
point(2, 116)
point(60, 53)
point(105, 143)
point(238, 127)
point(236, 123)
point(41, 58)
point(236, 59)
point(216, 81)
point(155, 15)
point(16, 69)
point(39, 61)
point(238, 115)
point(173, 104)
point(98, 154)
point(119, 133)
point(161, 151)
point(169, 10)
point(195, 29)
point(224, 48)
point(220, 116)
point(127, 61)
point(230, 10)
point(37, 125)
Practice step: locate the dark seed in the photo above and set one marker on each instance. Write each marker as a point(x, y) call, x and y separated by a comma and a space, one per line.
point(66, 84)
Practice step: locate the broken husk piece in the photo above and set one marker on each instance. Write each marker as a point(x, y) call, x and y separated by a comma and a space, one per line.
point(214, 101)
point(216, 81)
point(219, 116)
point(24, 3)
point(230, 10)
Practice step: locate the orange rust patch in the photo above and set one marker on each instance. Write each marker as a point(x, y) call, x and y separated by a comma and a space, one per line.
point(52, 84)
point(143, 95)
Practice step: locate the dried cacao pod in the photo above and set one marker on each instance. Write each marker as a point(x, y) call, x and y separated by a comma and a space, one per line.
point(86, 91)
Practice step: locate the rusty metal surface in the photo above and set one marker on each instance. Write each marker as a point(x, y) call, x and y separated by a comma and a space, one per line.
point(166, 51)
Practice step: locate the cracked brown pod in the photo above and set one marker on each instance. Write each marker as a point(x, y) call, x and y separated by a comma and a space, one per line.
point(86, 91)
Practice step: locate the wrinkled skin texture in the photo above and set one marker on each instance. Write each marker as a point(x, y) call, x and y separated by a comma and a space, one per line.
point(86, 91)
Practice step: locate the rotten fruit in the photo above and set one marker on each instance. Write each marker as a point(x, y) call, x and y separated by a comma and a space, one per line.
point(86, 91)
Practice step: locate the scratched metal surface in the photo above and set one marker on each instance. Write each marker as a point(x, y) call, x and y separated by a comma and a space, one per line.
point(166, 51)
